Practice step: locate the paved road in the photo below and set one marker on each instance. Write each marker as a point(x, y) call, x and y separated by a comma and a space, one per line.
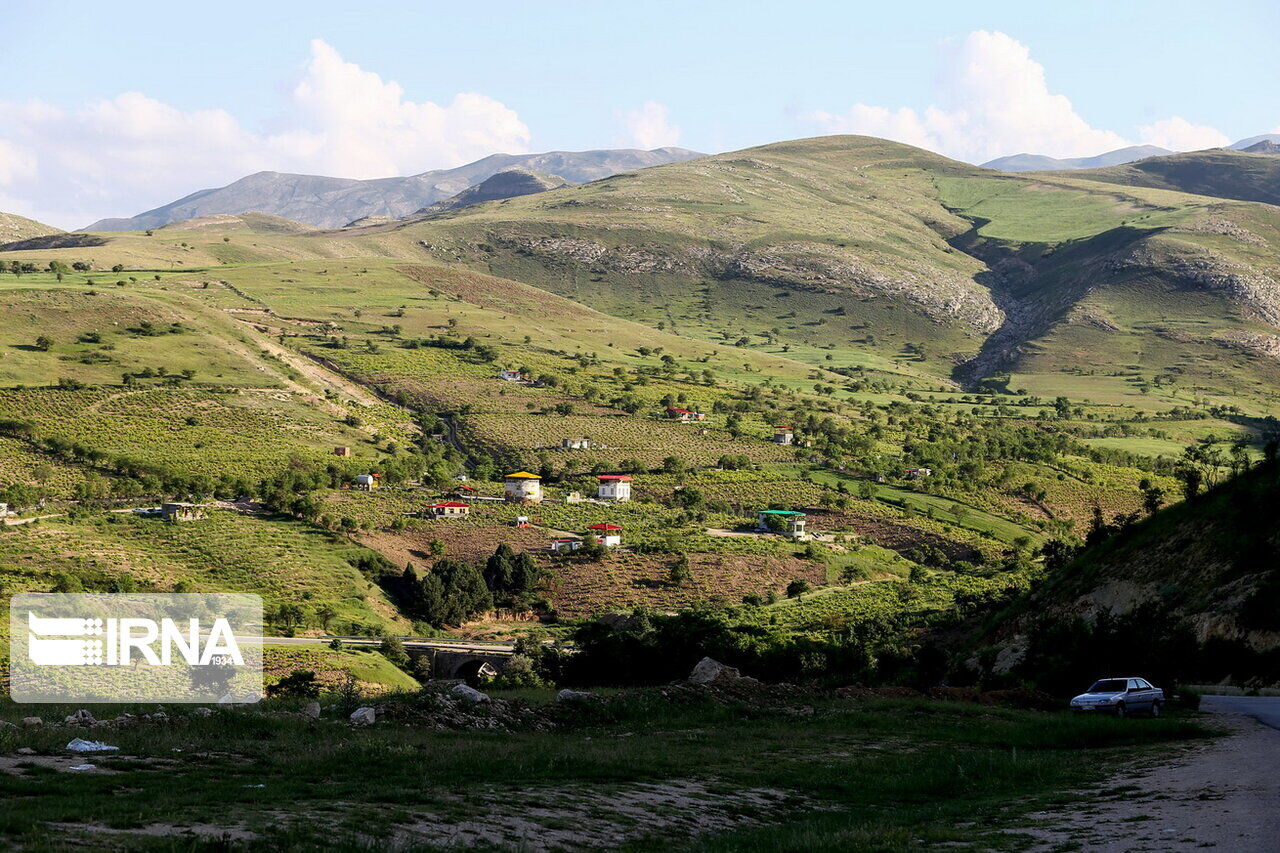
point(1264, 709)
point(477, 646)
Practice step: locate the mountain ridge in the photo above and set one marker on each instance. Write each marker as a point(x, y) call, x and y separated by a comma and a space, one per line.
point(326, 202)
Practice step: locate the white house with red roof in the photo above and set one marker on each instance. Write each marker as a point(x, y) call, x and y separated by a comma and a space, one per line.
point(684, 415)
point(784, 434)
point(614, 487)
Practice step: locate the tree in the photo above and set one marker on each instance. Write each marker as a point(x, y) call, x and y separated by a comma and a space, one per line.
point(44, 343)
point(680, 573)
point(797, 588)
point(393, 650)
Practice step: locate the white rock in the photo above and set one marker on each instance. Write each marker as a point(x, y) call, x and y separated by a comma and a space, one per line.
point(32, 722)
point(364, 716)
point(83, 717)
point(312, 710)
point(567, 695)
point(468, 694)
point(202, 712)
point(707, 671)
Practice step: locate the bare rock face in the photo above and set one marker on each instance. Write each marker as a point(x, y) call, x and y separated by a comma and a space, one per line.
point(708, 671)
point(364, 716)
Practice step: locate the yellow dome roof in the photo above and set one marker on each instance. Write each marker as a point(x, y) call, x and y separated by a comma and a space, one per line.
point(522, 475)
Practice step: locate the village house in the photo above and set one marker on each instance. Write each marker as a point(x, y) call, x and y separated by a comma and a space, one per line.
point(448, 509)
point(684, 416)
point(522, 488)
point(614, 487)
point(608, 535)
point(565, 546)
point(342, 451)
point(575, 443)
point(178, 511)
point(462, 492)
point(522, 521)
point(510, 376)
point(784, 435)
point(785, 522)
point(366, 482)
point(919, 473)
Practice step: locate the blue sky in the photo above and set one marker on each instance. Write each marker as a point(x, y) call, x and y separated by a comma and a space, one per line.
point(111, 110)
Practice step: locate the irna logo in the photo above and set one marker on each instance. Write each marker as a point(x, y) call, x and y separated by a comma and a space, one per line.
point(134, 647)
point(72, 641)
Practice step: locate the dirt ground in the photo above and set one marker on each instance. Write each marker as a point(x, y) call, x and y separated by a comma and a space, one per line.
point(1222, 794)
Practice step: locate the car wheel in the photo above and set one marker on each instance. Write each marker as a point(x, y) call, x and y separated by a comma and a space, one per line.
point(1155, 709)
point(1120, 711)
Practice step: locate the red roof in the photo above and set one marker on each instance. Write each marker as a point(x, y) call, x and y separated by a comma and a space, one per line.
point(604, 527)
point(680, 411)
point(620, 478)
point(780, 426)
point(447, 504)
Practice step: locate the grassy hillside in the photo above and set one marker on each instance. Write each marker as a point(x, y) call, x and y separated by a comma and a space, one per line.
point(1219, 172)
point(1191, 593)
point(14, 227)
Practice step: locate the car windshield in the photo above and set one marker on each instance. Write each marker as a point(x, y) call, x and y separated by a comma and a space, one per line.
point(1109, 685)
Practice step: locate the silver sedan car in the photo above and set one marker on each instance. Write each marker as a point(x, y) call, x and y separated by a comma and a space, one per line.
point(1120, 696)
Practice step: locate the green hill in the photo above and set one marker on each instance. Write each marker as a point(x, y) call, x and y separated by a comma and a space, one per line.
point(1218, 172)
point(1191, 593)
point(14, 228)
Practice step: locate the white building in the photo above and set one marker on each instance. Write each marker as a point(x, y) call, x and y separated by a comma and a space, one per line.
point(608, 535)
point(784, 435)
point(522, 487)
point(614, 487)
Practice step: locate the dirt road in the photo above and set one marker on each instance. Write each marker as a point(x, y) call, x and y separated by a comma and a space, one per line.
point(1222, 794)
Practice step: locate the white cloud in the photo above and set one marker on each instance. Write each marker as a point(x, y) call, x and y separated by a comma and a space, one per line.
point(124, 154)
point(994, 100)
point(1178, 134)
point(649, 126)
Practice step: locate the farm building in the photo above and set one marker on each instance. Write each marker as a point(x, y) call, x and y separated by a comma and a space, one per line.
point(787, 522)
point(522, 521)
point(342, 451)
point(366, 482)
point(614, 487)
point(565, 546)
point(522, 487)
point(4, 510)
point(608, 535)
point(684, 415)
point(448, 509)
point(462, 492)
point(511, 376)
point(575, 443)
point(178, 511)
point(918, 473)
point(784, 435)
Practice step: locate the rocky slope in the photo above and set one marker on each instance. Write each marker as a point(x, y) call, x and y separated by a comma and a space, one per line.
point(14, 227)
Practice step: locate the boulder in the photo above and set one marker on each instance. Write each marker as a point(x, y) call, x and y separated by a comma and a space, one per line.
point(364, 716)
point(32, 722)
point(202, 712)
point(573, 696)
point(468, 694)
point(5, 724)
point(83, 717)
point(25, 750)
point(708, 671)
point(312, 710)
